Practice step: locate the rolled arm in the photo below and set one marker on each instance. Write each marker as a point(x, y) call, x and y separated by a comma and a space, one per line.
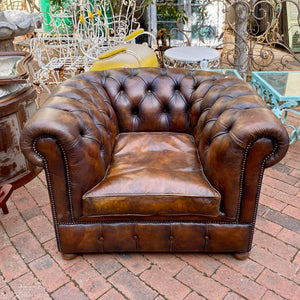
point(238, 136)
point(71, 136)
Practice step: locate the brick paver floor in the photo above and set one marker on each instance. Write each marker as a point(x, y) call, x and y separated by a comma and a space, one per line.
point(32, 268)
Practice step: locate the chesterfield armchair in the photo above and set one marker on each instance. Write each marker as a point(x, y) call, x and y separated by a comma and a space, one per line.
point(154, 160)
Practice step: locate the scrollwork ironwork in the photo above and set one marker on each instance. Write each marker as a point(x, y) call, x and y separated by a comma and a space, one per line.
point(250, 36)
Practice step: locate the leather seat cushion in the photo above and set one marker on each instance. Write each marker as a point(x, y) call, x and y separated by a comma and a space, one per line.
point(153, 174)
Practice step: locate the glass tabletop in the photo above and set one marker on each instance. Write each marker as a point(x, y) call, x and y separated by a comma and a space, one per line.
point(8, 65)
point(285, 83)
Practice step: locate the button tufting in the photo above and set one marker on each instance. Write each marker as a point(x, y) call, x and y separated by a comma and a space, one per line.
point(135, 237)
point(135, 111)
point(171, 237)
point(101, 238)
point(206, 237)
point(177, 88)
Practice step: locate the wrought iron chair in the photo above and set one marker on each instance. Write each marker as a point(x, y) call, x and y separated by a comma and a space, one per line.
point(56, 49)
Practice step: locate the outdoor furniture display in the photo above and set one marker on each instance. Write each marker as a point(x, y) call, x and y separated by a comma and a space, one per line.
point(77, 35)
point(102, 26)
point(192, 57)
point(154, 160)
point(281, 91)
point(17, 104)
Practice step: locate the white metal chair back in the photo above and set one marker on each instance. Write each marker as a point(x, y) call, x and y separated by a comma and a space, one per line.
point(103, 25)
point(56, 49)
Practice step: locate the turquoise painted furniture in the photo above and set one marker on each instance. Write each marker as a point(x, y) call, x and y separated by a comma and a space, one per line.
point(281, 91)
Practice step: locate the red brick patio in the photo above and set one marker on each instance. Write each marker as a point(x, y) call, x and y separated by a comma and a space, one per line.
point(31, 267)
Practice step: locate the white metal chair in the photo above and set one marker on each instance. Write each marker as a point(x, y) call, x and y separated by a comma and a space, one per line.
point(56, 49)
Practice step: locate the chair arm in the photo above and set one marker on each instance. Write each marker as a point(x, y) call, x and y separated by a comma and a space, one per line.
point(72, 136)
point(237, 137)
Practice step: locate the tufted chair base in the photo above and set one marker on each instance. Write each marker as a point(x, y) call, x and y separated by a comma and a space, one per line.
point(154, 237)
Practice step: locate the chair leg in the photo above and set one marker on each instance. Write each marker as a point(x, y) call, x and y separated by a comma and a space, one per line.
point(68, 256)
point(241, 255)
point(5, 192)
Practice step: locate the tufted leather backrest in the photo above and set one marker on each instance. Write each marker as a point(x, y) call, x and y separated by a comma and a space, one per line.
point(150, 100)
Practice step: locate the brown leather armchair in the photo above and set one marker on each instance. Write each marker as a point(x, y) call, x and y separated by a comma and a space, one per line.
point(154, 160)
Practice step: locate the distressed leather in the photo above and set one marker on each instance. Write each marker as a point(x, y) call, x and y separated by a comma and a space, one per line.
point(154, 160)
point(164, 179)
point(154, 237)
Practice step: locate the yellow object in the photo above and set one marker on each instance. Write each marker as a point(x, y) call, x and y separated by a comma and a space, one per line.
point(112, 52)
point(81, 19)
point(133, 34)
point(135, 56)
point(91, 15)
point(99, 12)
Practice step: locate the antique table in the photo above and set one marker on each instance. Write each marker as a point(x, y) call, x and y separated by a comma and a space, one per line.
point(192, 57)
point(17, 104)
point(281, 91)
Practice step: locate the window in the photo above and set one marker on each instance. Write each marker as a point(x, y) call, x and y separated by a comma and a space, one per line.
point(203, 23)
